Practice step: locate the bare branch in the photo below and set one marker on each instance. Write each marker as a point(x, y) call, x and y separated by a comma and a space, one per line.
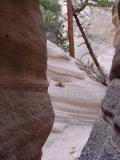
point(81, 44)
point(84, 55)
point(103, 76)
point(83, 5)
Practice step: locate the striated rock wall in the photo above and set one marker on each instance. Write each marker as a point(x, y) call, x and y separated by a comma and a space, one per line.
point(26, 114)
point(104, 141)
point(76, 102)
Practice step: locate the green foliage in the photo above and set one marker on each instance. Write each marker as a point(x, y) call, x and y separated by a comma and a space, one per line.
point(51, 5)
point(104, 3)
point(51, 11)
point(96, 3)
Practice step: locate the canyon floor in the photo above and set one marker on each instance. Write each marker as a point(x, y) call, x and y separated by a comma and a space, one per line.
point(75, 97)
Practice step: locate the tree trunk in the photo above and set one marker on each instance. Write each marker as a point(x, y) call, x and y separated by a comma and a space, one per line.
point(70, 28)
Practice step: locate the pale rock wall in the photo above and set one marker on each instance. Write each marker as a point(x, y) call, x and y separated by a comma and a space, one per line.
point(76, 102)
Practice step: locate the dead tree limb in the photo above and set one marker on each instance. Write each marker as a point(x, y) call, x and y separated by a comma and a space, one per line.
point(103, 76)
point(83, 55)
point(83, 5)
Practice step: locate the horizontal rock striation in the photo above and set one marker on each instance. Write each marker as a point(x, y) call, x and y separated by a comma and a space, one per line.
point(26, 115)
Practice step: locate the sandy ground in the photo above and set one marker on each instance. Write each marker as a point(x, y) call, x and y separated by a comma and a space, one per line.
point(66, 145)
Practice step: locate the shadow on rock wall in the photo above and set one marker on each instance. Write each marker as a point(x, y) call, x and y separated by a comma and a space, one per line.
point(26, 114)
point(104, 141)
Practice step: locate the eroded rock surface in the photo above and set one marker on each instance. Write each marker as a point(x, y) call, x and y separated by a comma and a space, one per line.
point(76, 101)
point(104, 141)
point(26, 114)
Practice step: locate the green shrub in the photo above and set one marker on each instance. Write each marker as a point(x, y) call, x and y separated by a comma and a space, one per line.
point(51, 11)
point(104, 3)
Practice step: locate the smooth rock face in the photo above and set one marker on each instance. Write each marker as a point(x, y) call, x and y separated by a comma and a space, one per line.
point(104, 141)
point(115, 72)
point(116, 23)
point(26, 115)
point(76, 101)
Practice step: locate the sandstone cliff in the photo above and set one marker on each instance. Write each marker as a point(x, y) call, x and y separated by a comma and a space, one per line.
point(76, 102)
point(26, 114)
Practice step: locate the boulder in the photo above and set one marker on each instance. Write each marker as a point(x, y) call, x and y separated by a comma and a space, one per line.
point(26, 115)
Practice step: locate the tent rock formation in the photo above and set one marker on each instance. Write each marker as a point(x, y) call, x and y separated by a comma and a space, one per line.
point(26, 114)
